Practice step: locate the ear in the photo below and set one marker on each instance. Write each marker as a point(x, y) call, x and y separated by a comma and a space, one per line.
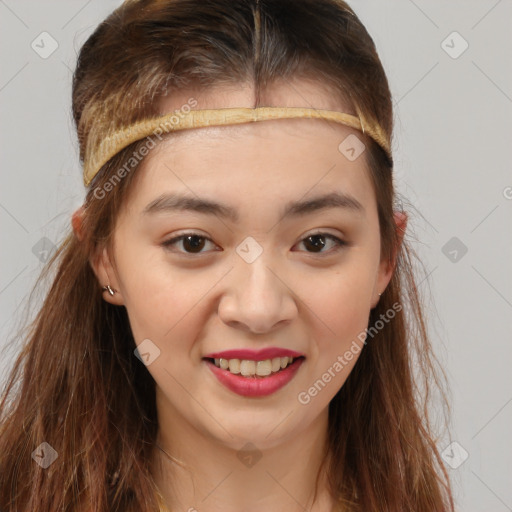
point(100, 263)
point(106, 273)
point(387, 267)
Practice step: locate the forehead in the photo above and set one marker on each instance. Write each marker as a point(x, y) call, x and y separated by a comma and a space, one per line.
point(262, 162)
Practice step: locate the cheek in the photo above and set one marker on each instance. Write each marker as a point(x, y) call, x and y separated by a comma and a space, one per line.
point(166, 304)
point(340, 305)
point(341, 299)
point(153, 292)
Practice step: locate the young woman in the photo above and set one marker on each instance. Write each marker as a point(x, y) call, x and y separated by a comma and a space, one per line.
point(233, 322)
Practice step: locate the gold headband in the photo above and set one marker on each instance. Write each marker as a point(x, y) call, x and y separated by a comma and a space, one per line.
point(98, 156)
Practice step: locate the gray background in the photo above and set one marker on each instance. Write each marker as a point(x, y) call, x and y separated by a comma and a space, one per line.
point(453, 121)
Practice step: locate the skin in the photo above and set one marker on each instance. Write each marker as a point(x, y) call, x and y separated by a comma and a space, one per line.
point(290, 296)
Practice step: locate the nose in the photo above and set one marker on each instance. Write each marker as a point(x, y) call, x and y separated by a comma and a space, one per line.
point(257, 299)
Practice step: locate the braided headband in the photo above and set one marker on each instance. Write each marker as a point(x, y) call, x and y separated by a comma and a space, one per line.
point(98, 156)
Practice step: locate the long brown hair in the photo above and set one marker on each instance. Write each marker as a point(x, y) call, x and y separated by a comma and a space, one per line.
point(76, 383)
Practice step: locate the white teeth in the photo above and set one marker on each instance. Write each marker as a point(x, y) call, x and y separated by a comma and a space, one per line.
point(264, 368)
point(234, 365)
point(249, 368)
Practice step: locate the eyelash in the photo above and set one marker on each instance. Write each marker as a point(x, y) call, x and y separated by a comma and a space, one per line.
point(340, 244)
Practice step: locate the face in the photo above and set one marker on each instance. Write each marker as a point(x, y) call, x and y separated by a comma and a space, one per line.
point(282, 261)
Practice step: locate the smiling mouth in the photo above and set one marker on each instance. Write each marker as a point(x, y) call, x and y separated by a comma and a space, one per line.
point(256, 369)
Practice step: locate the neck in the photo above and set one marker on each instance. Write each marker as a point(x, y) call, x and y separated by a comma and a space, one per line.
point(193, 471)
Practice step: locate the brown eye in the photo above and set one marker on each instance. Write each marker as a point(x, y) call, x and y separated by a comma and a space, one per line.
point(192, 243)
point(316, 242)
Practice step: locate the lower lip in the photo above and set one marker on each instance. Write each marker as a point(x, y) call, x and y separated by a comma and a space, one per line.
point(255, 386)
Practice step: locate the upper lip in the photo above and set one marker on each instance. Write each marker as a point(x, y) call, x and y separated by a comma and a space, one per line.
point(254, 355)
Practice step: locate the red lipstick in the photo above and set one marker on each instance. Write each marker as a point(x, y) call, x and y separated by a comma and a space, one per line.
point(255, 386)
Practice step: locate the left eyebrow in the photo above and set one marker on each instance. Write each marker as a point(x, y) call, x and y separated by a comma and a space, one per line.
point(175, 202)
